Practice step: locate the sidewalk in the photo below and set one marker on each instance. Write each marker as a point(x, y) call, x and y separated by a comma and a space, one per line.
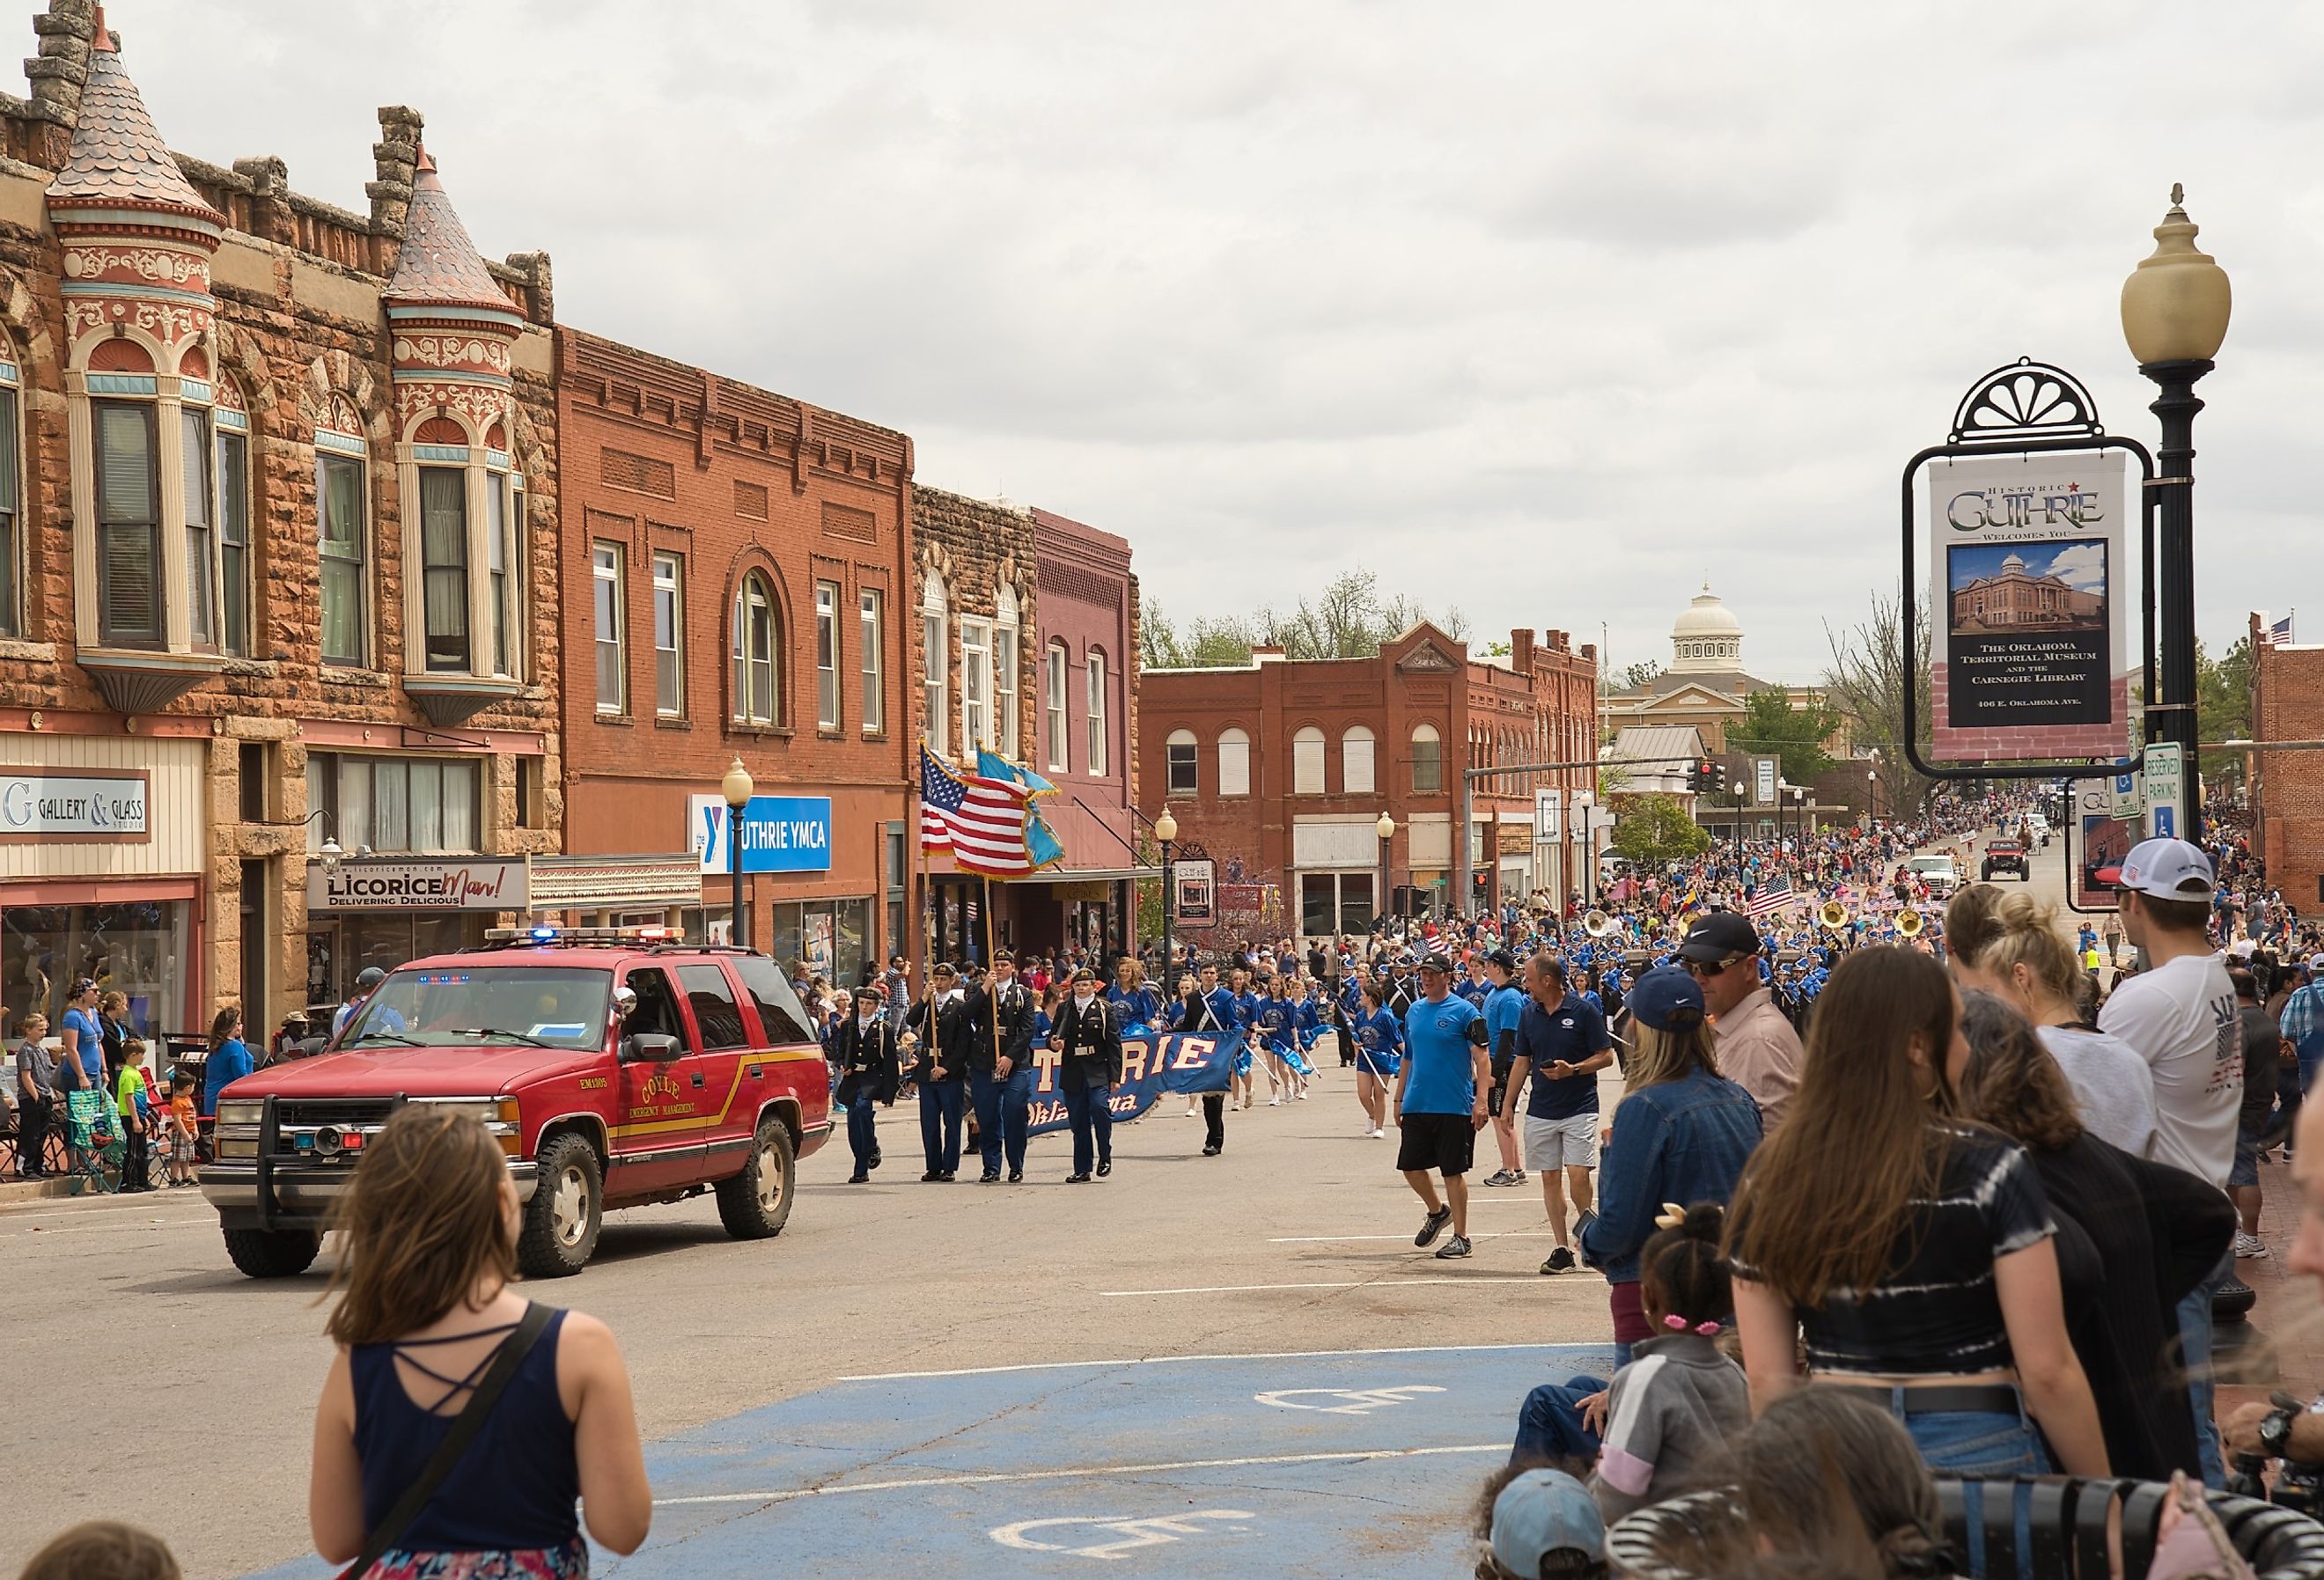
point(2289, 1311)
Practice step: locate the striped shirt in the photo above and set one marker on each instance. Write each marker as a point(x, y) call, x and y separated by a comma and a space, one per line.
point(1938, 1313)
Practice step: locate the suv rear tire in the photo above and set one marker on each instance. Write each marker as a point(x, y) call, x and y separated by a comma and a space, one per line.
point(756, 1204)
point(273, 1253)
point(566, 1210)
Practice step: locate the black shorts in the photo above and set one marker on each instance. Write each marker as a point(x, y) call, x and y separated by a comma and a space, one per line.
point(1445, 1143)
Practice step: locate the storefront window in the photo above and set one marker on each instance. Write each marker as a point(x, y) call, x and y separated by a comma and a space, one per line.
point(833, 936)
point(423, 804)
point(339, 947)
point(140, 949)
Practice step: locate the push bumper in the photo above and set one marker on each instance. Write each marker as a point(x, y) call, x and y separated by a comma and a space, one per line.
point(268, 1192)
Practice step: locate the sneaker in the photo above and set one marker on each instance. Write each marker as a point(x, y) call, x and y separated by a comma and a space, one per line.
point(1497, 1176)
point(1517, 1178)
point(2249, 1246)
point(1561, 1261)
point(1375, 1133)
point(1275, 1102)
point(1210, 1152)
point(1458, 1246)
point(1190, 1114)
point(1432, 1226)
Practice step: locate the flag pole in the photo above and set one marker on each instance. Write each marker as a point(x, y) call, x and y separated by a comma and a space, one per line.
point(922, 901)
point(992, 993)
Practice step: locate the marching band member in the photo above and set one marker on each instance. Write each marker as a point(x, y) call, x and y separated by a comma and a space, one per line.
point(941, 1072)
point(1089, 1064)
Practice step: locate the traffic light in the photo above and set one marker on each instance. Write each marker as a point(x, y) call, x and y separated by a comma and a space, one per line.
point(1710, 778)
point(1718, 778)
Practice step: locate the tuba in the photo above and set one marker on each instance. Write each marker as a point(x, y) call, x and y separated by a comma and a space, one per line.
point(1909, 923)
point(1597, 924)
point(1832, 914)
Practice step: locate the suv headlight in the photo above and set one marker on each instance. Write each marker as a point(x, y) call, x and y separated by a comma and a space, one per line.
point(240, 1111)
point(503, 1116)
point(236, 1135)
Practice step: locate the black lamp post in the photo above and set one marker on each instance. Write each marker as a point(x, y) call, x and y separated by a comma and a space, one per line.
point(2175, 314)
point(736, 787)
point(1166, 834)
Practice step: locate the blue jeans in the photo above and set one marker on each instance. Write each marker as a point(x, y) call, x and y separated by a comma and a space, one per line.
point(862, 1137)
point(1091, 1110)
point(1549, 1422)
point(942, 1104)
point(1972, 1444)
point(2195, 1354)
point(1003, 1111)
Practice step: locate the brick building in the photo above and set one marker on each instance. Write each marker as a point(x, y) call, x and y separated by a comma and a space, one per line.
point(1028, 649)
point(2288, 787)
point(738, 565)
point(277, 561)
point(1279, 770)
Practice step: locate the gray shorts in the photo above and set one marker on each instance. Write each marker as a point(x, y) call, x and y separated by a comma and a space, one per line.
point(1560, 1143)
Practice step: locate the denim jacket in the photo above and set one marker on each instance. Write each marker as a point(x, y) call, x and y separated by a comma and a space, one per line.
point(1683, 1142)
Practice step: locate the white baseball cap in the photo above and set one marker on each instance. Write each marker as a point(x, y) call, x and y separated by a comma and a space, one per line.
point(2316, 965)
point(2167, 869)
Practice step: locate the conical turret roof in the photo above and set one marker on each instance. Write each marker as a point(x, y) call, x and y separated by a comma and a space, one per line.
point(118, 160)
point(439, 266)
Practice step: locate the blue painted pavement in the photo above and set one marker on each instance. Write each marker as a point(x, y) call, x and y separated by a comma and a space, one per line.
point(1288, 1465)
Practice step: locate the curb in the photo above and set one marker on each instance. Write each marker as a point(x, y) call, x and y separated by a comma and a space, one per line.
point(14, 1191)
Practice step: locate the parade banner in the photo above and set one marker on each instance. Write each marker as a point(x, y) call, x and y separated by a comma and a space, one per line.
point(1151, 1067)
point(2025, 556)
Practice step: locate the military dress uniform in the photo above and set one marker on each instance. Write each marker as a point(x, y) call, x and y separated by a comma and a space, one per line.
point(1001, 1027)
point(941, 1072)
point(1089, 1065)
point(864, 1055)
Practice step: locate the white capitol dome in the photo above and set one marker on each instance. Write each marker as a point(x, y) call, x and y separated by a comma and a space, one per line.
point(1707, 636)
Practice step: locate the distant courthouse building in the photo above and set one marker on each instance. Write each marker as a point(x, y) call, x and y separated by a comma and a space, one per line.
point(1279, 770)
point(2287, 792)
point(1705, 683)
point(2016, 599)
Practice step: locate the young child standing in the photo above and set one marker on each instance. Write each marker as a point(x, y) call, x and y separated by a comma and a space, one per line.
point(136, 1119)
point(184, 1129)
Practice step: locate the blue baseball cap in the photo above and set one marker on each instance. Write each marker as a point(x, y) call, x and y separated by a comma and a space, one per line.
point(1667, 999)
point(1544, 1512)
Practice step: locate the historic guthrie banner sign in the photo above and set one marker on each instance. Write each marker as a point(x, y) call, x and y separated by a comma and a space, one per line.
point(2027, 604)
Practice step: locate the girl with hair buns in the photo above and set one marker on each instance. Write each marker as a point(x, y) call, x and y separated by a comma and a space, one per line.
point(1914, 1252)
point(426, 1250)
point(2029, 964)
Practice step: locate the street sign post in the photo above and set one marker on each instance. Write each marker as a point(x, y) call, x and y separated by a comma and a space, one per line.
point(2166, 767)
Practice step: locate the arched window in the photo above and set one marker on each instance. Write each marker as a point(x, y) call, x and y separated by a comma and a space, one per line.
point(1097, 712)
point(343, 530)
point(1308, 761)
point(935, 662)
point(1185, 774)
point(1234, 762)
point(1006, 624)
point(1427, 761)
point(757, 667)
point(1356, 776)
point(1055, 664)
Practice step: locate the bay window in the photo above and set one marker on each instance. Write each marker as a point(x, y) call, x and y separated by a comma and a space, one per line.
point(340, 493)
point(128, 525)
point(444, 568)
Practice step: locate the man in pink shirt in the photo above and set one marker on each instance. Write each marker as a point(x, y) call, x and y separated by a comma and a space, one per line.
point(1757, 1047)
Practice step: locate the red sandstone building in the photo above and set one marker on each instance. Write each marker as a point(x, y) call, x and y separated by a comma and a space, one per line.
point(277, 561)
point(2288, 787)
point(737, 571)
point(1279, 770)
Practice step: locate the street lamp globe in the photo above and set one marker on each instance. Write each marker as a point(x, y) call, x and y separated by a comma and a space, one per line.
point(1166, 827)
point(1385, 827)
point(737, 786)
point(331, 853)
point(2175, 304)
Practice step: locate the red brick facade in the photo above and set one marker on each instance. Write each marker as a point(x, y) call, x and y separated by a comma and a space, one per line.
point(2288, 787)
point(1279, 770)
point(678, 476)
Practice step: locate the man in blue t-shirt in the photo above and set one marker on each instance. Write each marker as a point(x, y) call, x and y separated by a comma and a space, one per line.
point(1439, 1102)
point(1504, 1003)
point(1562, 1044)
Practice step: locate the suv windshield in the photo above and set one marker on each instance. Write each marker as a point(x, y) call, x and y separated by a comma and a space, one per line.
point(450, 1005)
point(1930, 864)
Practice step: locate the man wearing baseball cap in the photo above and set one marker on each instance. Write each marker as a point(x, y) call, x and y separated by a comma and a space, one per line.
point(1758, 1048)
point(2179, 1015)
point(1440, 1103)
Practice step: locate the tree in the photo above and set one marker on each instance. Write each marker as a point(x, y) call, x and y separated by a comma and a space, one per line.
point(1655, 830)
point(1348, 619)
point(1866, 684)
point(1770, 723)
point(2223, 689)
point(1637, 675)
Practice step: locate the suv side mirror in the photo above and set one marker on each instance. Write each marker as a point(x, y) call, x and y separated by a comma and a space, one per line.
point(649, 1048)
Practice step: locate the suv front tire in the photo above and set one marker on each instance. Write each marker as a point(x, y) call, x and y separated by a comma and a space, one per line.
point(273, 1253)
point(756, 1204)
point(566, 1210)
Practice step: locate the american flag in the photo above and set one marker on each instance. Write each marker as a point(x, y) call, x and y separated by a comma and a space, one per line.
point(982, 821)
point(2279, 633)
point(1770, 898)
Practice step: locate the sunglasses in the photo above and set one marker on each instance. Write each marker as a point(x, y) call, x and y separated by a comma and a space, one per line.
point(1704, 970)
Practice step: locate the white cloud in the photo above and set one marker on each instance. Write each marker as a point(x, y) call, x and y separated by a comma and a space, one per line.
point(1545, 312)
point(2082, 566)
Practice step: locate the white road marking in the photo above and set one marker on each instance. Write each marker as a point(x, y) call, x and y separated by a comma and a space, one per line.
point(1134, 1533)
point(1179, 1360)
point(1330, 1239)
point(1351, 1456)
point(1480, 1279)
point(1353, 1401)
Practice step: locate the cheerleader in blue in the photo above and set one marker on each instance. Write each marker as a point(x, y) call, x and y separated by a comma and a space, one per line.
point(1275, 1023)
point(1135, 1010)
point(1245, 1005)
point(1379, 1047)
point(1313, 1021)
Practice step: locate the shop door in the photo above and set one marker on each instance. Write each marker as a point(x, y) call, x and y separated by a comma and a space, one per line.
point(658, 1130)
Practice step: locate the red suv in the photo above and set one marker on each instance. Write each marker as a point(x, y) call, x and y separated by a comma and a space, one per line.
point(616, 1071)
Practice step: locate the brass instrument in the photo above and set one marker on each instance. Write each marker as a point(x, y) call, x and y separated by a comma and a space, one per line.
point(1597, 924)
point(1832, 914)
point(1909, 924)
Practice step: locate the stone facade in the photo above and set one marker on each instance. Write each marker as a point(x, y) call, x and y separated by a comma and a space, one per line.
point(241, 313)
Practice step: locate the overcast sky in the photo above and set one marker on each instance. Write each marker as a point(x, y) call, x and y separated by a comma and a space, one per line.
point(1546, 312)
